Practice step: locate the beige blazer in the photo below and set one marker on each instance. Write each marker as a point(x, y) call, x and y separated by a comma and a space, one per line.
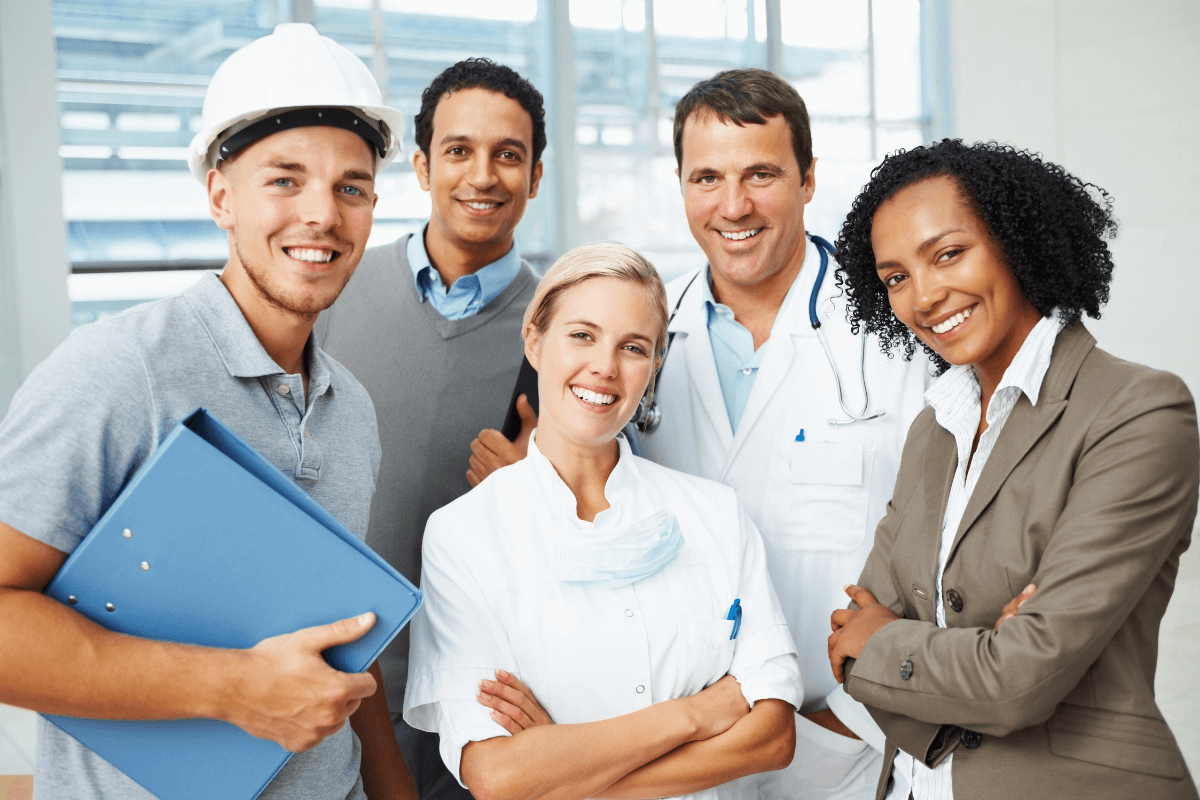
point(1091, 495)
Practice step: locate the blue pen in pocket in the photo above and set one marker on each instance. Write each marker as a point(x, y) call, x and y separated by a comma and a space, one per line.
point(735, 614)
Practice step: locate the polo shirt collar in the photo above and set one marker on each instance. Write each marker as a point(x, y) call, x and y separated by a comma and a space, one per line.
point(235, 342)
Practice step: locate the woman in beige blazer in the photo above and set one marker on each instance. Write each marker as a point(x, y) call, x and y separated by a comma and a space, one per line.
point(1004, 632)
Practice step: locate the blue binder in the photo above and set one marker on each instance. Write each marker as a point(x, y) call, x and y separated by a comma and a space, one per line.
point(211, 544)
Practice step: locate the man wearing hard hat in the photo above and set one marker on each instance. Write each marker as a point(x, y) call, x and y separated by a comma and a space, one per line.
point(293, 134)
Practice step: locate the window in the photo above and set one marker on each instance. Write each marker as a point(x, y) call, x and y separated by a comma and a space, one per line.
point(132, 76)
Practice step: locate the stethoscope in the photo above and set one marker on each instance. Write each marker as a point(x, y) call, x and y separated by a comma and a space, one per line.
point(648, 415)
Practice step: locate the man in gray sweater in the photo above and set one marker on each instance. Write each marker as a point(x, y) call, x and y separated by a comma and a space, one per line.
point(431, 326)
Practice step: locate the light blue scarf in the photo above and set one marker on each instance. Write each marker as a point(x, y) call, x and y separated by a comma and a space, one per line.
point(619, 556)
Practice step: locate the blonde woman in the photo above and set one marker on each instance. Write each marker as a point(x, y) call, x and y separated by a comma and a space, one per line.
point(597, 625)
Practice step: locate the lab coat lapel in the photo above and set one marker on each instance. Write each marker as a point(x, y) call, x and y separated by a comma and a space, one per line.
point(692, 323)
point(779, 358)
point(1027, 423)
point(776, 363)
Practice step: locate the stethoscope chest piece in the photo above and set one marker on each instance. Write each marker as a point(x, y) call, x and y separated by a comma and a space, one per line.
point(648, 415)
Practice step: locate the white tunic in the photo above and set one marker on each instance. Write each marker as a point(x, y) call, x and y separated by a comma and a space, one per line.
point(588, 653)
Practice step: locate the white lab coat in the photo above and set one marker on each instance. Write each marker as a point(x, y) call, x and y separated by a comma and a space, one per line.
point(817, 532)
point(588, 652)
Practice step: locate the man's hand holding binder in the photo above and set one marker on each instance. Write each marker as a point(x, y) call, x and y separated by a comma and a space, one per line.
point(165, 646)
point(290, 695)
point(281, 689)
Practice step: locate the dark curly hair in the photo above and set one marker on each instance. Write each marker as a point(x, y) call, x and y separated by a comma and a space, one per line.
point(1051, 228)
point(481, 73)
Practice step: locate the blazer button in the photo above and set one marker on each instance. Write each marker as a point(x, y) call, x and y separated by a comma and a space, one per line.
point(970, 739)
point(906, 669)
point(954, 599)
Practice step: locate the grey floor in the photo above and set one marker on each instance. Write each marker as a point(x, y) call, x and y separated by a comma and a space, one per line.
point(1178, 686)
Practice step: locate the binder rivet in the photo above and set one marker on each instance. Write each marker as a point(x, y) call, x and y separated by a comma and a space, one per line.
point(72, 599)
point(109, 607)
point(128, 534)
point(146, 566)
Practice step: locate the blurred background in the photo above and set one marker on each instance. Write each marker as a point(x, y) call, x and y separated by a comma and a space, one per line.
point(130, 81)
point(99, 99)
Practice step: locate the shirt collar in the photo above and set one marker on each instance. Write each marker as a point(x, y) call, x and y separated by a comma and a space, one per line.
point(492, 279)
point(235, 342)
point(803, 282)
point(1026, 372)
point(625, 476)
point(1029, 365)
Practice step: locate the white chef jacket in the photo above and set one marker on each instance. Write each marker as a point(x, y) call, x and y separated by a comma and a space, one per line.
point(588, 653)
point(817, 502)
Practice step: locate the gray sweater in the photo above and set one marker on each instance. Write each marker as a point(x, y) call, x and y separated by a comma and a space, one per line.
point(435, 383)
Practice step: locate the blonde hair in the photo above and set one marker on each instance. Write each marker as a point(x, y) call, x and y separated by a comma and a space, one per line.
point(599, 260)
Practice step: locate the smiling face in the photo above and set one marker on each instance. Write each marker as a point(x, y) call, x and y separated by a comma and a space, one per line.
point(947, 279)
point(298, 208)
point(594, 361)
point(744, 195)
point(478, 172)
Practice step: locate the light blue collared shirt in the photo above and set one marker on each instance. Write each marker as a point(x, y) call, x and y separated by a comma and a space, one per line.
point(733, 350)
point(469, 293)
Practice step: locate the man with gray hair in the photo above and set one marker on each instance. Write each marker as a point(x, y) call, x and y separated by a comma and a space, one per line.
point(762, 391)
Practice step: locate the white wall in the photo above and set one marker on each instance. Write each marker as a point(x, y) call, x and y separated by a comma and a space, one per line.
point(34, 312)
point(1110, 89)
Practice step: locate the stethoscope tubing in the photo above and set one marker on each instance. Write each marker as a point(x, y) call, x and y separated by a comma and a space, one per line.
point(825, 249)
point(648, 415)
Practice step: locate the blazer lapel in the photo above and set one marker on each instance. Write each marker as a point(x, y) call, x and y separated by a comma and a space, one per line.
point(941, 460)
point(1027, 423)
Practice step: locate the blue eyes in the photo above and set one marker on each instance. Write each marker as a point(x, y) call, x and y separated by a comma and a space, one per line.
point(288, 183)
point(587, 337)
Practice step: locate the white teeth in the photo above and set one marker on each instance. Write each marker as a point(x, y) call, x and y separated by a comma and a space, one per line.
point(482, 206)
point(953, 322)
point(595, 398)
point(310, 255)
point(737, 236)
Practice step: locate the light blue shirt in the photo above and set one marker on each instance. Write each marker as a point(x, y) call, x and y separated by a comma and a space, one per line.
point(733, 351)
point(469, 293)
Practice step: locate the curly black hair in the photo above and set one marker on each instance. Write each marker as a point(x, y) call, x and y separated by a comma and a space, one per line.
point(482, 73)
point(1051, 227)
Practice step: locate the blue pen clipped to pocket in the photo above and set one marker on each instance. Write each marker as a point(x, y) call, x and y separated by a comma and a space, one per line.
point(735, 614)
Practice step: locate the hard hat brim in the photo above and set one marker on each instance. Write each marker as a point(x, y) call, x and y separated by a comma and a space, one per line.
point(201, 152)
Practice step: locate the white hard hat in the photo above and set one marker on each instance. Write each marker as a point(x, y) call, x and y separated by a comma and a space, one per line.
point(293, 68)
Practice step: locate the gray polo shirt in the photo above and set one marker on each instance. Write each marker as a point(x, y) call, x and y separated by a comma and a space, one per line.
point(91, 414)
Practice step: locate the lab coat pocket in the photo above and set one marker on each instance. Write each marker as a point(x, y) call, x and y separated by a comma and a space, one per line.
point(708, 649)
point(817, 496)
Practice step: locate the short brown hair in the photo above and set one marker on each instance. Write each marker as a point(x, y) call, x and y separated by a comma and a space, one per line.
point(747, 96)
